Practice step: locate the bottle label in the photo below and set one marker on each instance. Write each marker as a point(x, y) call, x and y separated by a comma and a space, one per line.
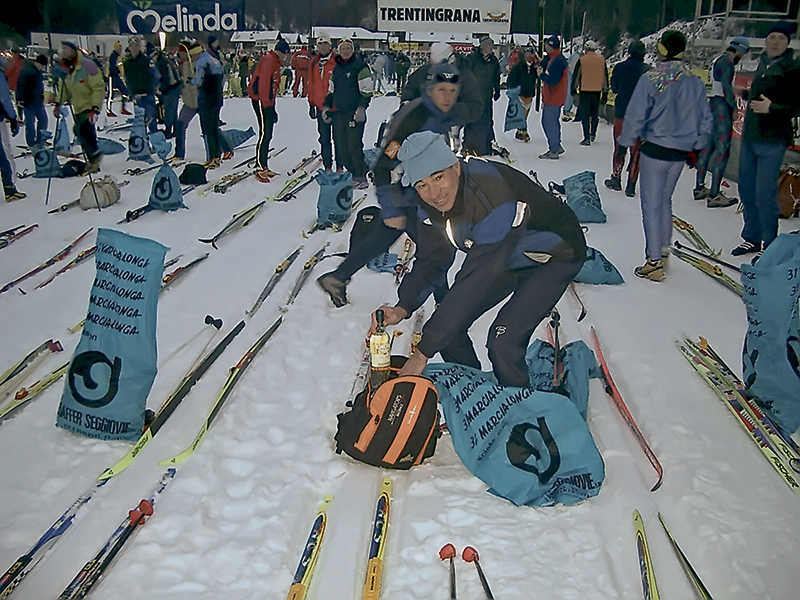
point(379, 351)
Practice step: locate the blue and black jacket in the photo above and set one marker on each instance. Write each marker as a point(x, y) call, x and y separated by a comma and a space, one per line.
point(503, 222)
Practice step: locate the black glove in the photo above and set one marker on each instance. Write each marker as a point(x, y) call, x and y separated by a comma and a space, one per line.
point(603, 97)
point(312, 111)
point(496, 95)
point(14, 126)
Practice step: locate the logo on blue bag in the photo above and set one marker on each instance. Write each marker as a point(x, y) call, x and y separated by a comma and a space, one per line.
point(81, 368)
point(519, 450)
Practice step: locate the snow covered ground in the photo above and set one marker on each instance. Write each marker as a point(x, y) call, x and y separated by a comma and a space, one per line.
point(235, 520)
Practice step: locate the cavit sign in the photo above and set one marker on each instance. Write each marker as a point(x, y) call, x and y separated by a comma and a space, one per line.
point(186, 17)
point(463, 16)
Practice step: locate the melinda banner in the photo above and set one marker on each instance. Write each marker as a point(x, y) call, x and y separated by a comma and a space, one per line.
point(144, 16)
point(462, 16)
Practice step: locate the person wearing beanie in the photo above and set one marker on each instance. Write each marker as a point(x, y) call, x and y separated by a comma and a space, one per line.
point(590, 84)
point(141, 77)
point(470, 101)
point(346, 108)
point(208, 79)
point(30, 96)
point(722, 103)
point(83, 87)
point(520, 244)
point(320, 69)
point(524, 76)
point(437, 111)
point(553, 73)
point(623, 81)
point(115, 81)
point(669, 113)
point(263, 91)
point(772, 103)
point(479, 134)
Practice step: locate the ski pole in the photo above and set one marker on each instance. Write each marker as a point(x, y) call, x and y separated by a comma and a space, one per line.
point(449, 551)
point(471, 555)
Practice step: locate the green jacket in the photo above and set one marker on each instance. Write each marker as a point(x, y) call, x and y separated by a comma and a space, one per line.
point(83, 85)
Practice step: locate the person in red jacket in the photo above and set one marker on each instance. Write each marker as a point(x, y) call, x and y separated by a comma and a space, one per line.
point(13, 68)
point(319, 76)
point(299, 63)
point(263, 90)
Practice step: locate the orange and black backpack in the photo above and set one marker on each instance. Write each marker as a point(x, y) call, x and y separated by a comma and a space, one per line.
point(396, 427)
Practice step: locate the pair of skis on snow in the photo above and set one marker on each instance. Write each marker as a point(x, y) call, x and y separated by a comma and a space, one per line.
point(15, 375)
point(780, 451)
point(375, 555)
point(91, 573)
point(646, 571)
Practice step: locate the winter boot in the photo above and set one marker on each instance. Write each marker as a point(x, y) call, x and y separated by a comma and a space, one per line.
point(701, 192)
point(746, 248)
point(13, 194)
point(720, 201)
point(614, 183)
point(652, 270)
point(334, 287)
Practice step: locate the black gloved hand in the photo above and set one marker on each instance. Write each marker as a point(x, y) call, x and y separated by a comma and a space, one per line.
point(14, 126)
point(312, 111)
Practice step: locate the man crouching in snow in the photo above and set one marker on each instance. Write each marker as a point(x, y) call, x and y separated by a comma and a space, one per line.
point(518, 240)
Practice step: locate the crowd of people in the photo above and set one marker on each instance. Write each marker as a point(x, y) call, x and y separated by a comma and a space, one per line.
point(663, 115)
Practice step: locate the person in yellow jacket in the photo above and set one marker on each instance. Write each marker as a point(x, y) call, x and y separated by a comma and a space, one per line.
point(84, 88)
point(590, 83)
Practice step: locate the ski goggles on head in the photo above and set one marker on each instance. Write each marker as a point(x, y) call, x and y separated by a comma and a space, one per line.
point(443, 77)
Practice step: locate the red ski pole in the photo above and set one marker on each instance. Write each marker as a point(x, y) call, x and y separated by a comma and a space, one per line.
point(471, 555)
point(449, 551)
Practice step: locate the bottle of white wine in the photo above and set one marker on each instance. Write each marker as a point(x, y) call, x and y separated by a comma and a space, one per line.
point(380, 353)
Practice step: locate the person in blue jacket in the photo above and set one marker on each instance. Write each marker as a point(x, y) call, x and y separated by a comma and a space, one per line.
point(209, 80)
point(520, 243)
point(669, 113)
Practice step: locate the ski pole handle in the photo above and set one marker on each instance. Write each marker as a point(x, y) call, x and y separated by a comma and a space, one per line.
point(471, 555)
point(448, 551)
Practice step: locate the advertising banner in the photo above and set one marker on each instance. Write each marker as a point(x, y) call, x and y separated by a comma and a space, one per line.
point(189, 16)
point(465, 16)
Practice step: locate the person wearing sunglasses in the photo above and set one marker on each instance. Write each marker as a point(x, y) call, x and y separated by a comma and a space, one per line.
point(435, 111)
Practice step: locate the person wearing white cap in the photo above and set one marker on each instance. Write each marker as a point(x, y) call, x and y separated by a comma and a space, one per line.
point(722, 103)
point(346, 106)
point(320, 70)
point(521, 244)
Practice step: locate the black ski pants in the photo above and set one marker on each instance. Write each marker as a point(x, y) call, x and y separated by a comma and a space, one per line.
point(533, 294)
